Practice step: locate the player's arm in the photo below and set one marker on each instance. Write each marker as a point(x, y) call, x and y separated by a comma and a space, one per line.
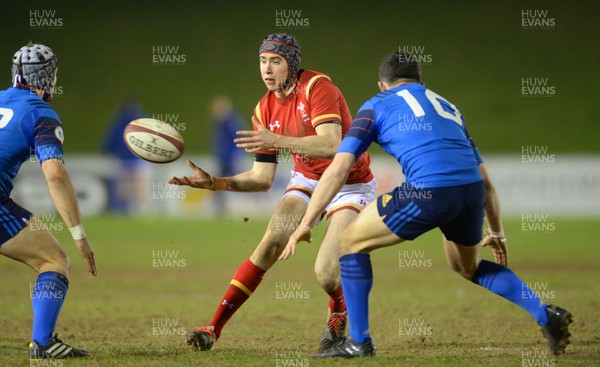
point(329, 185)
point(495, 235)
point(322, 145)
point(492, 202)
point(259, 178)
point(325, 106)
point(48, 139)
point(356, 142)
point(64, 198)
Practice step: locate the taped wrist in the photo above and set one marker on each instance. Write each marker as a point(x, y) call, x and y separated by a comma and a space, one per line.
point(218, 183)
point(493, 234)
point(77, 232)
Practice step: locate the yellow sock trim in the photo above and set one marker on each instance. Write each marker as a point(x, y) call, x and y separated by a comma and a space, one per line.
point(241, 286)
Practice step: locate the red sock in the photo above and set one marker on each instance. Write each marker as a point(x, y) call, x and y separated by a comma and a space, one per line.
point(336, 302)
point(245, 281)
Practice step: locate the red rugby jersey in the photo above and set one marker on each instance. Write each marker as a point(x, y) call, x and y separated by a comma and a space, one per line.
point(314, 100)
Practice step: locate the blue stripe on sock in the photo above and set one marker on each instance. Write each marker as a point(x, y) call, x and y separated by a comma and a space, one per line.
point(354, 278)
point(355, 272)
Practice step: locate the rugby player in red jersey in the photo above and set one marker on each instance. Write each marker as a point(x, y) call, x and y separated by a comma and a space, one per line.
point(304, 114)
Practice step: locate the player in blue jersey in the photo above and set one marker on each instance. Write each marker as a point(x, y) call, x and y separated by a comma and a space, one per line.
point(446, 186)
point(28, 125)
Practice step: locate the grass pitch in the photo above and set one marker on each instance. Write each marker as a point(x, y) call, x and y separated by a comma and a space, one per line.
point(159, 278)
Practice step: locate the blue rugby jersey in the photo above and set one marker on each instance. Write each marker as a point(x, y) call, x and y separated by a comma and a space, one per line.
point(422, 130)
point(27, 124)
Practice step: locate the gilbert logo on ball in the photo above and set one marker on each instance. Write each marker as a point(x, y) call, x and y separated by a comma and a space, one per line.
point(153, 140)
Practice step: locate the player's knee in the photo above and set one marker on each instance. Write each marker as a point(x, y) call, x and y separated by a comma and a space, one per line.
point(328, 275)
point(62, 262)
point(464, 270)
point(456, 268)
point(66, 265)
point(277, 240)
point(270, 248)
point(57, 261)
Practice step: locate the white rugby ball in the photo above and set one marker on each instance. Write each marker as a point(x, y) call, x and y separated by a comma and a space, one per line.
point(153, 140)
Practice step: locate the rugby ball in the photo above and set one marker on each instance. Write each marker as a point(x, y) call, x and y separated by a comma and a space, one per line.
point(153, 140)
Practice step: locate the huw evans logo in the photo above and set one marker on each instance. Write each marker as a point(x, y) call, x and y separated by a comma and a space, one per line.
point(537, 154)
point(537, 87)
point(44, 19)
point(415, 53)
point(168, 55)
point(537, 19)
point(291, 19)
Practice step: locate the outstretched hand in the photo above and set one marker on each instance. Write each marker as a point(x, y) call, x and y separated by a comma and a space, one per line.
point(498, 246)
point(255, 140)
point(200, 179)
point(302, 233)
point(87, 254)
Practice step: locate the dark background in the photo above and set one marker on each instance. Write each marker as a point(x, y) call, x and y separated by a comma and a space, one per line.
point(479, 53)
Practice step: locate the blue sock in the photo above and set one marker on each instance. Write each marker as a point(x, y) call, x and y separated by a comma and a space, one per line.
point(502, 281)
point(357, 280)
point(47, 300)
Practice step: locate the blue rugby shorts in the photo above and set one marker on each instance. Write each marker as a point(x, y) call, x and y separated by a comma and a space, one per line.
point(458, 211)
point(13, 218)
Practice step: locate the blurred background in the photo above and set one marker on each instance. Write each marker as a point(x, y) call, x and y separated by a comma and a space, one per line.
point(524, 75)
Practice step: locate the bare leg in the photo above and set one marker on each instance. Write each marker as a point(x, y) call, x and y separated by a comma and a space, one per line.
point(283, 223)
point(462, 259)
point(327, 265)
point(327, 270)
point(367, 233)
point(38, 249)
point(249, 274)
point(41, 251)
